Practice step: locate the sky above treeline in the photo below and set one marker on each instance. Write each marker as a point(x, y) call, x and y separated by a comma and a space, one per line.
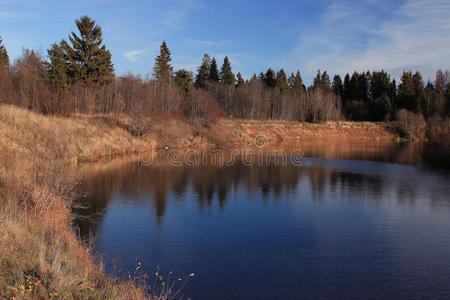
point(338, 36)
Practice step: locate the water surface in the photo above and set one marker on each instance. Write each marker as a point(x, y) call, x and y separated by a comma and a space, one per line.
point(354, 221)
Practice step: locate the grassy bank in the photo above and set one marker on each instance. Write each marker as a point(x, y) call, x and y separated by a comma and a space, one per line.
point(41, 255)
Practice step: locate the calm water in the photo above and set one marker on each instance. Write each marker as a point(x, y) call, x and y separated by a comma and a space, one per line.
point(364, 221)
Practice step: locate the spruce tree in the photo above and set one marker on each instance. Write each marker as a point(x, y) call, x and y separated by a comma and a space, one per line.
point(393, 91)
point(418, 92)
point(325, 81)
point(380, 85)
point(213, 71)
point(226, 75)
point(406, 91)
point(183, 79)
point(240, 80)
point(262, 77)
point(163, 70)
point(297, 85)
point(203, 72)
point(380, 100)
point(347, 93)
point(4, 58)
point(57, 69)
point(282, 82)
point(270, 79)
point(89, 60)
point(337, 87)
point(291, 81)
point(317, 80)
point(363, 87)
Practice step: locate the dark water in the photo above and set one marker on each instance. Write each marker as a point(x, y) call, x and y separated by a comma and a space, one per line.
point(336, 227)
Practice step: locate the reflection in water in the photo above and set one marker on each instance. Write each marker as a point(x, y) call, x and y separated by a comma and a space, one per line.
point(331, 227)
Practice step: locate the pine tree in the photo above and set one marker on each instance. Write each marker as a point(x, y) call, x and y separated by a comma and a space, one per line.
point(440, 84)
point(337, 87)
point(262, 77)
point(226, 75)
point(325, 81)
point(213, 71)
point(270, 78)
point(203, 72)
point(380, 85)
point(296, 84)
point(363, 87)
point(57, 69)
point(282, 82)
point(393, 91)
point(406, 91)
point(4, 58)
point(317, 80)
point(89, 60)
point(418, 92)
point(379, 92)
point(163, 70)
point(240, 80)
point(347, 93)
point(183, 79)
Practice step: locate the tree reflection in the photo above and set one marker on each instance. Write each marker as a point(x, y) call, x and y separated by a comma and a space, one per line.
point(211, 186)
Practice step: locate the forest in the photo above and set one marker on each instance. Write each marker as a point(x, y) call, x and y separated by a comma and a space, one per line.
point(77, 76)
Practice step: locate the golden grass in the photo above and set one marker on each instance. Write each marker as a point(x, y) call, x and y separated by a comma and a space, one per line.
point(41, 256)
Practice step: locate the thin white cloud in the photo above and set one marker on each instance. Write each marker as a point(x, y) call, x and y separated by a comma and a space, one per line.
point(203, 43)
point(414, 35)
point(133, 55)
point(173, 18)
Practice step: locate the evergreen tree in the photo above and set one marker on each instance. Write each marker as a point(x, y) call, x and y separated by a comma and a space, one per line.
point(270, 78)
point(347, 87)
point(183, 79)
point(381, 107)
point(393, 91)
point(58, 69)
point(296, 84)
point(381, 104)
point(325, 81)
point(427, 105)
point(89, 60)
point(213, 71)
point(291, 81)
point(226, 75)
point(440, 84)
point(418, 92)
point(380, 85)
point(203, 72)
point(262, 77)
point(317, 80)
point(4, 58)
point(240, 80)
point(363, 87)
point(337, 87)
point(163, 69)
point(282, 82)
point(406, 92)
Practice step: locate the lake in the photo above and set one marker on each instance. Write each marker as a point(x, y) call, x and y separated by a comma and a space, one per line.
point(345, 220)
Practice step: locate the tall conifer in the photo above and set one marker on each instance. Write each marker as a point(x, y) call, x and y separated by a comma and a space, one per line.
point(226, 75)
point(4, 58)
point(88, 58)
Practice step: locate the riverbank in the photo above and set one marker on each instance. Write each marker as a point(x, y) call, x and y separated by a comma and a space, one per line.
point(41, 256)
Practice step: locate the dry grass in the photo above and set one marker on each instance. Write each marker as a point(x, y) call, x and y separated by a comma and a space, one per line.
point(41, 256)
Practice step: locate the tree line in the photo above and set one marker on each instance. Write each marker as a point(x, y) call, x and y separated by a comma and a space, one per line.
point(78, 76)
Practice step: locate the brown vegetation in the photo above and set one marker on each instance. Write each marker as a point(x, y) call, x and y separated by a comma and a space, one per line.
point(40, 254)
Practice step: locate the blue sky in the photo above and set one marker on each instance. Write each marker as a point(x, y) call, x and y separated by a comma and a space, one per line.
point(337, 36)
